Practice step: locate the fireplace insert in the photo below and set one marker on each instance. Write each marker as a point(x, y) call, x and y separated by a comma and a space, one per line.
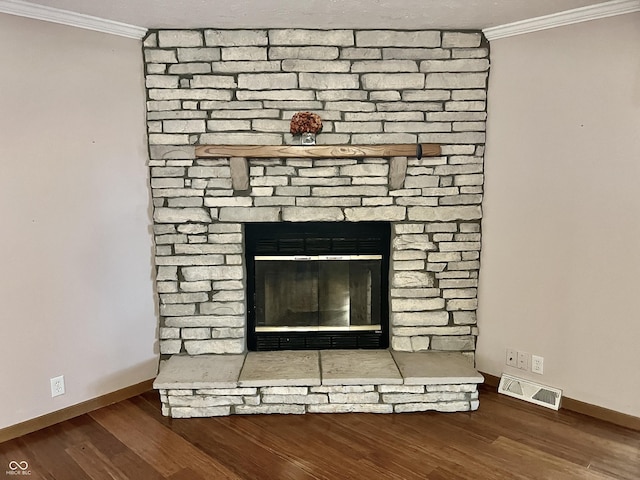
point(317, 285)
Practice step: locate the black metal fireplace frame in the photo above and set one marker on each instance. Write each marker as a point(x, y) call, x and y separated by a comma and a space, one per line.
point(317, 238)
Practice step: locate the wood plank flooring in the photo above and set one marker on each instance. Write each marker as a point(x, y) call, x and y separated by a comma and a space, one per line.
point(504, 439)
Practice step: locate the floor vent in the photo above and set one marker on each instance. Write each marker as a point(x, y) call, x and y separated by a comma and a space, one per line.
point(530, 391)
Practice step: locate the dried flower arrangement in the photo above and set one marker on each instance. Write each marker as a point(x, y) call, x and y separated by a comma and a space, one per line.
point(305, 122)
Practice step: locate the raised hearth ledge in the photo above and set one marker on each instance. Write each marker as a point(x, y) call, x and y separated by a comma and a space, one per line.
point(326, 381)
point(317, 151)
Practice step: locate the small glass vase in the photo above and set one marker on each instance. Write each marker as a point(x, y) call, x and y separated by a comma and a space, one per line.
point(308, 138)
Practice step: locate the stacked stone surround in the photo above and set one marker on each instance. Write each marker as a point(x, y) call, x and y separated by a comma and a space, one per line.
point(370, 87)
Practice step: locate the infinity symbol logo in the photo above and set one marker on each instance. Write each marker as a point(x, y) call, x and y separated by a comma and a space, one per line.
point(13, 465)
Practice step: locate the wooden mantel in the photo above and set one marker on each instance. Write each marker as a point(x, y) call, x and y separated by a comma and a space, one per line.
point(238, 155)
point(316, 151)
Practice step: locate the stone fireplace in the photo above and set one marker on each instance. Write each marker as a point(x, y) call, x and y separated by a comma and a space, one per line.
point(241, 88)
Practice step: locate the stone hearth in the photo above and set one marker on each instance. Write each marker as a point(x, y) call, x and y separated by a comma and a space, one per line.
point(327, 381)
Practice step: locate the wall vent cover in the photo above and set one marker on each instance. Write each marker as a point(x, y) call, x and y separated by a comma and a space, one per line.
point(530, 391)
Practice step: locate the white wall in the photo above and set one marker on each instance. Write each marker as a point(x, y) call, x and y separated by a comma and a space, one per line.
point(76, 294)
point(560, 274)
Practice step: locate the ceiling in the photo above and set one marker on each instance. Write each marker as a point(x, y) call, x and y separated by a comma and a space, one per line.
point(318, 14)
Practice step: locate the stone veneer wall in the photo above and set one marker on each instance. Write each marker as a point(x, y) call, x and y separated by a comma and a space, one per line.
point(370, 87)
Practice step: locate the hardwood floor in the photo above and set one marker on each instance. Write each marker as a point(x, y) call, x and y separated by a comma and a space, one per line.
point(504, 439)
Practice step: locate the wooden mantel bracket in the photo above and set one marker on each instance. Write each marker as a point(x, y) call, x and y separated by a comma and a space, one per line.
point(316, 151)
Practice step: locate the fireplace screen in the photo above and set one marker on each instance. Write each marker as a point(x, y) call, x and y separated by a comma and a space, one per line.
point(321, 292)
point(317, 285)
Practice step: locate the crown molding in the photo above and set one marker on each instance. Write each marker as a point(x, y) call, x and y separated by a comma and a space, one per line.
point(88, 22)
point(568, 17)
point(65, 17)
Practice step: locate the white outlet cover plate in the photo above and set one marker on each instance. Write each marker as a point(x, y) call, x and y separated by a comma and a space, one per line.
point(512, 357)
point(537, 364)
point(523, 360)
point(57, 386)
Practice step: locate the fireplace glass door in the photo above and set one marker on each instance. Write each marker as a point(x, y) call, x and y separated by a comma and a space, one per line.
point(317, 293)
point(317, 285)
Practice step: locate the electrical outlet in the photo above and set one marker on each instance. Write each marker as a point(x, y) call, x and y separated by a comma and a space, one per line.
point(512, 357)
point(57, 386)
point(523, 361)
point(537, 364)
